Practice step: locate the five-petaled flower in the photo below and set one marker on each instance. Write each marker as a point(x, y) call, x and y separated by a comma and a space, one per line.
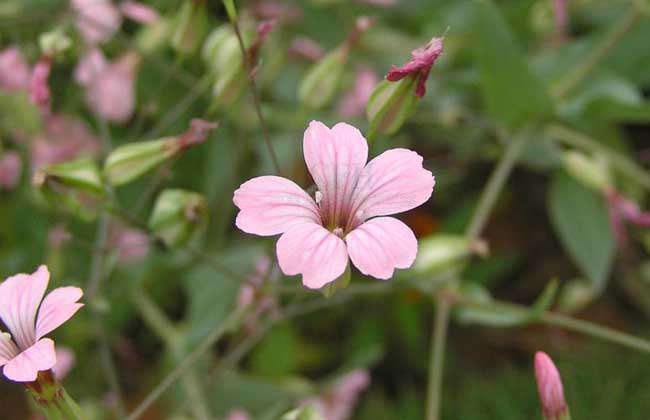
point(419, 65)
point(23, 351)
point(346, 217)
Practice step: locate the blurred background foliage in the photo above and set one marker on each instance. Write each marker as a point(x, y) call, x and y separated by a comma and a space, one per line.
point(506, 77)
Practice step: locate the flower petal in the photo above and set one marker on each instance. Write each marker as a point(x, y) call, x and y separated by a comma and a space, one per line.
point(393, 182)
point(380, 245)
point(20, 296)
point(8, 349)
point(311, 250)
point(25, 367)
point(270, 205)
point(58, 306)
point(335, 158)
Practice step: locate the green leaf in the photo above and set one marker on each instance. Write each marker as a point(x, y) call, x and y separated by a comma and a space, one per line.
point(511, 92)
point(580, 220)
point(277, 354)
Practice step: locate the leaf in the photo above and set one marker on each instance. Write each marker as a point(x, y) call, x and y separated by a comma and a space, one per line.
point(511, 92)
point(277, 354)
point(580, 220)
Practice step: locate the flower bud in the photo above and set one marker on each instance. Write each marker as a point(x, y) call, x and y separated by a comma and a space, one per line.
point(390, 104)
point(593, 172)
point(443, 250)
point(575, 295)
point(549, 386)
point(54, 43)
point(191, 23)
point(322, 80)
point(177, 216)
point(75, 185)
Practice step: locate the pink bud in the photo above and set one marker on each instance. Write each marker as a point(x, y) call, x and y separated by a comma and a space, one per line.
point(305, 48)
point(353, 104)
point(10, 168)
point(39, 90)
point(112, 92)
point(419, 65)
point(14, 70)
point(139, 12)
point(623, 210)
point(131, 245)
point(65, 361)
point(97, 20)
point(549, 385)
point(276, 10)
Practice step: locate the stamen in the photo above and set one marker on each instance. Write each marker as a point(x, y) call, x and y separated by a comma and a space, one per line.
point(338, 232)
point(319, 197)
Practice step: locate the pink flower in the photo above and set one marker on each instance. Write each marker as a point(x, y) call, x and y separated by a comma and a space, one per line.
point(25, 352)
point(111, 92)
point(549, 385)
point(339, 401)
point(97, 20)
point(14, 70)
point(39, 90)
point(319, 235)
point(353, 104)
point(65, 361)
point(237, 415)
point(131, 245)
point(419, 65)
point(90, 67)
point(10, 168)
point(139, 12)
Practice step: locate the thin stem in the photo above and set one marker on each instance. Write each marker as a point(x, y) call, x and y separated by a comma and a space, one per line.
point(495, 184)
point(586, 66)
point(622, 163)
point(187, 363)
point(256, 99)
point(437, 360)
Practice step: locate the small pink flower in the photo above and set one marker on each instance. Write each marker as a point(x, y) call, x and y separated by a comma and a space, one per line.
point(353, 104)
point(339, 401)
point(111, 93)
point(65, 361)
point(237, 415)
point(419, 65)
point(549, 385)
point(10, 168)
point(39, 89)
point(14, 70)
point(139, 12)
point(97, 20)
point(23, 351)
point(319, 235)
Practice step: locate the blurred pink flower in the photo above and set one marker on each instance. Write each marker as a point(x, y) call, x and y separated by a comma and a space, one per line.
point(65, 361)
point(14, 70)
point(131, 245)
point(237, 415)
point(65, 138)
point(277, 10)
point(419, 65)
point(305, 48)
point(58, 235)
point(252, 294)
point(10, 169)
point(25, 352)
point(139, 12)
point(319, 235)
point(549, 386)
point(382, 3)
point(110, 88)
point(97, 20)
point(561, 17)
point(39, 89)
point(339, 401)
point(622, 210)
point(353, 103)
point(90, 66)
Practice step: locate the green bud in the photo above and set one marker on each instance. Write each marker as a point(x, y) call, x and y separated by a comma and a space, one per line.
point(153, 36)
point(54, 43)
point(390, 104)
point(177, 216)
point(131, 161)
point(322, 80)
point(307, 412)
point(575, 295)
point(443, 251)
point(191, 24)
point(76, 186)
point(593, 172)
point(221, 49)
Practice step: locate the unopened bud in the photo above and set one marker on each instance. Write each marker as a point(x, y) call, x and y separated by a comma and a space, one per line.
point(322, 80)
point(390, 104)
point(190, 26)
point(593, 172)
point(549, 386)
point(177, 216)
point(575, 295)
point(54, 43)
point(76, 186)
point(442, 251)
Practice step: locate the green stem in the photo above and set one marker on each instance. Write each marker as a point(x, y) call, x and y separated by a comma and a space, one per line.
point(50, 396)
point(586, 66)
point(622, 163)
point(219, 330)
point(437, 360)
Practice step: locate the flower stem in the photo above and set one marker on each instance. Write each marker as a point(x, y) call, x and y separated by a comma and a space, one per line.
point(586, 66)
point(52, 398)
point(437, 359)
